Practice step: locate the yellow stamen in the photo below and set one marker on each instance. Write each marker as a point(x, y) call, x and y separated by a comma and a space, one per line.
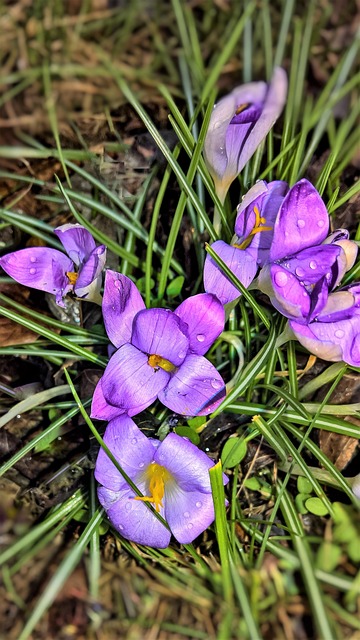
point(242, 108)
point(259, 220)
point(157, 361)
point(157, 476)
point(72, 276)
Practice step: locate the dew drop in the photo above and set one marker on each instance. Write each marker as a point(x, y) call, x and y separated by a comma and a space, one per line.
point(281, 278)
point(198, 504)
point(216, 384)
point(142, 465)
point(32, 271)
point(312, 264)
point(190, 525)
point(32, 259)
point(300, 271)
point(355, 350)
point(116, 284)
point(134, 441)
point(320, 223)
point(200, 337)
point(186, 514)
point(339, 333)
point(120, 527)
point(128, 506)
point(182, 354)
point(301, 223)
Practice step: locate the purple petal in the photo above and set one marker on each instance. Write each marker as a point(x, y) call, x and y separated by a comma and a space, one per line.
point(90, 270)
point(131, 448)
point(76, 240)
point(188, 465)
point(101, 409)
point(205, 319)
point(341, 305)
point(302, 222)
point(39, 268)
point(332, 341)
point(129, 382)
point(188, 513)
point(133, 519)
point(241, 264)
point(196, 388)
point(160, 332)
point(310, 265)
point(121, 302)
point(287, 294)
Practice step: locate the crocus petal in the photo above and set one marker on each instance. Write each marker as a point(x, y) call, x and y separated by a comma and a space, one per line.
point(332, 341)
point(318, 345)
point(287, 294)
point(311, 264)
point(76, 240)
point(90, 270)
point(160, 332)
point(241, 264)
point(196, 388)
point(121, 302)
point(188, 465)
point(346, 258)
point(188, 513)
point(132, 450)
point(340, 305)
point(39, 268)
point(101, 409)
point(302, 221)
point(205, 319)
point(129, 382)
point(133, 519)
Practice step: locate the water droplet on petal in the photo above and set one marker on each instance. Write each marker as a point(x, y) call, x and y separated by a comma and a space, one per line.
point(32, 271)
point(128, 506)
point(32, 259)
point(190, 525)
point(321, 223)
point(186, 514)
point(216, 384)
point(200, 337)
point(142, 465)
point(182, 354)
point(120, 527)
point(312, 264)
point(339, 333)
point(301, 223)
point(300, 271)
point(281, 278)
point(134, 441)
point(198, 504)
point(116, 284)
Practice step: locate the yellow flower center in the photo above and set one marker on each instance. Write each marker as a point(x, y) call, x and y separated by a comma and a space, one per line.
point(159, 362)
point(257, 228)
point(157, 476)
point(72, 277)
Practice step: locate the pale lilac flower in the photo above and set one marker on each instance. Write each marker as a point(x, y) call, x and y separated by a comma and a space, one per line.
point(79, 272)
point(239, 123)
point(159, 353)
point(304, 264)
point(250, 245)
point(172, 475)
point(335, 334)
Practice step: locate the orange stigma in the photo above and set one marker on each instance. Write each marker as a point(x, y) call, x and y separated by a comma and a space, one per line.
point(72, 277)
point(257, 228)
point(157, 476)
point(242, 108)
point(159, 362)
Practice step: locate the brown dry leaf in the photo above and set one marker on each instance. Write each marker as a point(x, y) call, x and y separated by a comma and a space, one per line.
point(12, 333)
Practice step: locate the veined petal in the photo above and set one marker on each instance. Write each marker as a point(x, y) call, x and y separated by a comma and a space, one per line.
point(241, 264)
point(188, 513)
point(161, 332)
point(101, 409)
point(311, 264)
point(133, 519)
point(302, 221)
point(129, 382)
point(132, 450)
point(341, 305)
point(333, 341)
point(287, 294)
point(205, 319)
point(90, 270)
point(196, 388)
point(188, 465)
point(76, 240)
point(121, 303)
point(39, 268)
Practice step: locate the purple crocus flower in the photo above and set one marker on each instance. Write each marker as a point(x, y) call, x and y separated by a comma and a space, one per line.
point(172, 475)
point(238, 124)
point(250, 245)
point(304, 264)
point(159, 353)
point(335, 334)
point(50, 270)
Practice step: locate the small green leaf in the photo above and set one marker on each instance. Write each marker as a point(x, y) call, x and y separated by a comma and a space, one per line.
point(234, 450)
point(186, 432)
point(304, 485)
point(174, 288)
point(316, 506)
point(253, 484)
point(140, 283)
point(194, 423)
point(300, 501)
point(328, 556)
